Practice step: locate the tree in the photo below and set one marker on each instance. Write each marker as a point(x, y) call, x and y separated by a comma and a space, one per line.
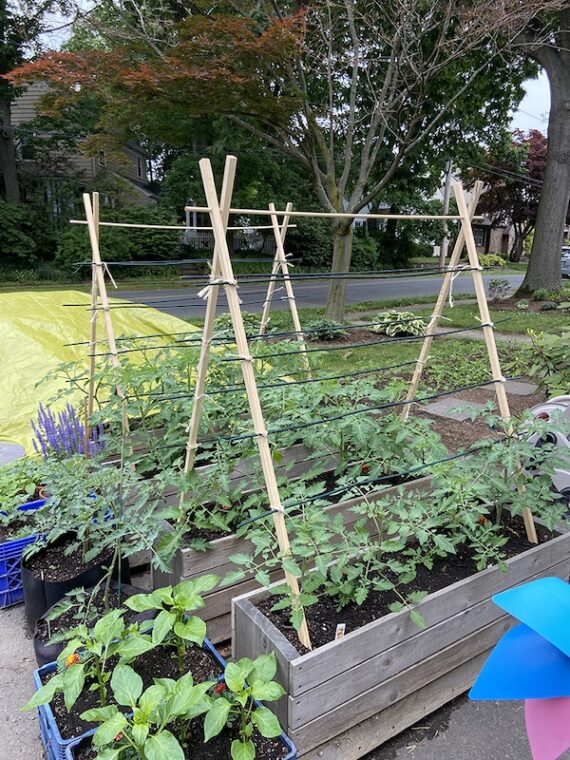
point(547, 40)
point(348, 90)
point(21, 26)
point(513, 172)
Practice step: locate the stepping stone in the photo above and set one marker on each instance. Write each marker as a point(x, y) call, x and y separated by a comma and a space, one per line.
point(10, 451)
point(449, 408)
point(520, 389)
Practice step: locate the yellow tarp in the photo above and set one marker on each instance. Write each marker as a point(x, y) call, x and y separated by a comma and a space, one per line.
point(34, 326)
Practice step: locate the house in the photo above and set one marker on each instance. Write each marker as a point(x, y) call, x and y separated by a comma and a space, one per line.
point(127, 174)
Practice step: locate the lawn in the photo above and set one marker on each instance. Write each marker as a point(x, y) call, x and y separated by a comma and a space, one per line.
point(518, 321)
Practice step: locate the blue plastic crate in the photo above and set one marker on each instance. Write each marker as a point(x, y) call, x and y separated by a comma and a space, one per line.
point(55, 746)
point(11, 591)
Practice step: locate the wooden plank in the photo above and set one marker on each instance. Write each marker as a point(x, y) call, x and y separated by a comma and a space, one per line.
point(366, 736)
point(393, 690)
point(317, 701)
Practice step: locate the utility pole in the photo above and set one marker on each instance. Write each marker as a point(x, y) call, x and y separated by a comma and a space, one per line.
point(446, 197)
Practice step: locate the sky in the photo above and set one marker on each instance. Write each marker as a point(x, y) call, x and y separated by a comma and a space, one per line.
point(534, 108)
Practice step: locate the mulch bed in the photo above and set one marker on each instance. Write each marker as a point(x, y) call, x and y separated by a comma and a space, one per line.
point(324, 616)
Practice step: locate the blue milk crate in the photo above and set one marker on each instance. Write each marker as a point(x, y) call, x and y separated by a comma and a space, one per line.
point(55, 746)
point(11, 591)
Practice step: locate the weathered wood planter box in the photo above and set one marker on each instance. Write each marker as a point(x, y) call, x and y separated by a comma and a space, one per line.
point(189, 563)
point(349, 696)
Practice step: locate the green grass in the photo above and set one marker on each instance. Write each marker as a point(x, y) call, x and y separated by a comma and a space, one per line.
point(518, 323)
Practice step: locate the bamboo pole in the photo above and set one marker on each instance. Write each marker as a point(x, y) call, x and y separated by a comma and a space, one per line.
point(328, 214)
point(280, 234)
point(98, 268)
point(92, 335)
point(488, 331)
point(208, 329)
point(289, 288)
point(129, 225)
point(439, 305)
point(230, 287)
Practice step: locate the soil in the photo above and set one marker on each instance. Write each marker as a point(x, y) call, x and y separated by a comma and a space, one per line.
point(52, 564)
point(355, 337)
point(19, 528)
point(510, 304)
point(323, 617)
point(461, 435)
point(157, 663)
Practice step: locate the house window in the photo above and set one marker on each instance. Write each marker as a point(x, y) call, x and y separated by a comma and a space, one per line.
point(479, 235)
point(140, 166)
point(101, 158)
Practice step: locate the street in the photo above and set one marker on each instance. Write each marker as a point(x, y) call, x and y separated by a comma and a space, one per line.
point(186, 304)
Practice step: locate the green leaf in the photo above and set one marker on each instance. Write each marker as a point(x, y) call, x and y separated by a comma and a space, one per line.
point(266, 722)
point(99, 714)
point(127, 685)
point(243, 750)
point(144, 602)
point(73, 682)
point(193, 629)
point(151, 698)
point(163, 746)
point(234, 677)
point(216, 718)
point(132, 647)
point(162, 626)
point(290, 566)
point(267, 691)
point(186, 696)
point(418, 619)
point(109, 753)
point(109, 627)
point(46, 693)
point(109, 729)
point(264, 667)
point(140, 733)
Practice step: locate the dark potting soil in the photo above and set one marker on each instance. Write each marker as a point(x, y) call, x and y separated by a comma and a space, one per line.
point(67, 620)
point(53, 564)
point(323, 617)
point(19, 528)
point(157, 663)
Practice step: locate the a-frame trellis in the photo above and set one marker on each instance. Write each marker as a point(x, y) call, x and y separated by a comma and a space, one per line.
point(219, 209)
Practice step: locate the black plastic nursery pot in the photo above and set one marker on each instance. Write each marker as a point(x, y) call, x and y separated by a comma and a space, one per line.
point(46, 653)
point(41, 594)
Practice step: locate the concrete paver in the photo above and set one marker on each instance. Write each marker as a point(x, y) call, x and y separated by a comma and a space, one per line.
point(451, 408)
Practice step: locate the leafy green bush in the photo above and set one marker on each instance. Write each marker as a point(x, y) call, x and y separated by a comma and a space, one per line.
point(541, 294)
point(399, 323)
point(223, 328)
point(365, 253)
point(17, 240)
point(548, 306)
point(491, 260)
point(522, 305)
point(326, 329)
point(120, 244)
point(548, 361)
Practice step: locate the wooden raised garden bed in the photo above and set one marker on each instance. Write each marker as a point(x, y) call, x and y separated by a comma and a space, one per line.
point(190, 563)
point(349, 696)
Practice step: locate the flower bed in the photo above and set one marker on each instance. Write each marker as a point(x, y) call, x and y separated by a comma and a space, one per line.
point(353, 694)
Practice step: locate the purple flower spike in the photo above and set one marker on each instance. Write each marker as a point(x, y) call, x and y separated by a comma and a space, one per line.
point(64, 435)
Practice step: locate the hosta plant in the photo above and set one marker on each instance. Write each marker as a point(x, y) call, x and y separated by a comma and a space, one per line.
point(394, 323)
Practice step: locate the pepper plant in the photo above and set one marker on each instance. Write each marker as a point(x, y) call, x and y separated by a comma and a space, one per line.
point(173, 627)
point(246, 681)
point(154, 718)
point(88, 656)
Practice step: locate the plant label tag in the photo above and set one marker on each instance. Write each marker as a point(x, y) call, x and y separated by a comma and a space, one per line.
point(340, 631)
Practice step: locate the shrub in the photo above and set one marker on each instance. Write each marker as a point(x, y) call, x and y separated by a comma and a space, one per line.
point(399, 323)
point(491, 260)
point(499, 290)
point(548, 306)
point(223, 328)
point(326, 329)
point(522, 305)
point(17, 240)
point(365, 253)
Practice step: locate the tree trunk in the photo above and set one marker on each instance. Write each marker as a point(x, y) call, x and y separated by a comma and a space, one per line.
point(342, 254)
point(8, 165)
point(544, 264)
point(518, 245)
